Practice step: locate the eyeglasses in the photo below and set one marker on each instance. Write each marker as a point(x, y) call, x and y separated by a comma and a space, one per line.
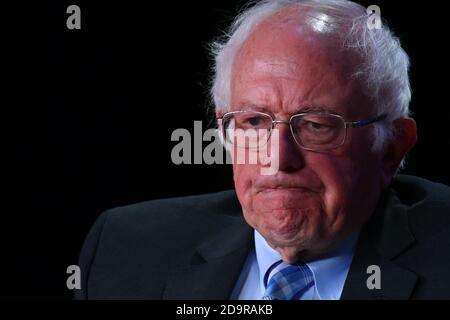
point(313, 131)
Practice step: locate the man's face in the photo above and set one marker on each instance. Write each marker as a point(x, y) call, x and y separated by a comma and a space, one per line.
point(315, 199)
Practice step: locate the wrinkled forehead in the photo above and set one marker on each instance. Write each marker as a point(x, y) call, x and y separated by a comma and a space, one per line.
point(296, 58)
point(296, 37)
point(306, 19)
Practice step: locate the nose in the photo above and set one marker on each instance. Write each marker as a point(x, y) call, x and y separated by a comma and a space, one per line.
point(290, 155)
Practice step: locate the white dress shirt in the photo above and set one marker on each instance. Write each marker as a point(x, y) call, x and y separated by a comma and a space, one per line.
point(329, 272)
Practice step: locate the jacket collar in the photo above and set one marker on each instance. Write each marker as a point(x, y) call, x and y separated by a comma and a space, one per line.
point(214, 266)
point(384, 238)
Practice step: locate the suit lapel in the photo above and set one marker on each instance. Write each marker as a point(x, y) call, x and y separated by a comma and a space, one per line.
point(385, 237)
point(213, 267)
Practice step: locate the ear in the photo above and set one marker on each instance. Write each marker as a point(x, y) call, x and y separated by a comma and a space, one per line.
point(403, 140)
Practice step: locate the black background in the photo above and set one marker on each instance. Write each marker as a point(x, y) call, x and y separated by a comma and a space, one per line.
point(96, 108)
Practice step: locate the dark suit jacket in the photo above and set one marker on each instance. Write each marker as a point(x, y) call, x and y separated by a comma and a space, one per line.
point(194, 247)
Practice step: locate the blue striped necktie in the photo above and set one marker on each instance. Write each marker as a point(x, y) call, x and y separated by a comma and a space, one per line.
point(287, 281)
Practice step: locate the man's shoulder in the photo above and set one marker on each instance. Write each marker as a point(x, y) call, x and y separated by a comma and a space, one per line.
point(136, 244)
point(223, 203)
point(427, 205)
point(417, 192)
point(171, 219)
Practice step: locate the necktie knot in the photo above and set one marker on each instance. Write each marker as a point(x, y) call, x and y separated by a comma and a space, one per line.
point(287, 281)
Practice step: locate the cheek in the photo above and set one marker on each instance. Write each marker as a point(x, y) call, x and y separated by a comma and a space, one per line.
point(346, 175)
point(336, 174)
point(243, 175)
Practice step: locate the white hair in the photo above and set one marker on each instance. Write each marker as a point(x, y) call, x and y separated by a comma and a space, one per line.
point(384, 71)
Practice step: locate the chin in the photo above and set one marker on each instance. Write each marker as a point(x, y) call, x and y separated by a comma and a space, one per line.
point(277, 241)
point(303, 245)
point(289, 234)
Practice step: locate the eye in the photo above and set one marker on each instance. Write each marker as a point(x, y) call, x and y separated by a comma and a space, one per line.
point(255, 121)
point(252, 122)
point(316, 125)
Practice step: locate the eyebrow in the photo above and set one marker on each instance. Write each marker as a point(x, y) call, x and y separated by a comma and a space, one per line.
point(330, 110)
point(304, 109)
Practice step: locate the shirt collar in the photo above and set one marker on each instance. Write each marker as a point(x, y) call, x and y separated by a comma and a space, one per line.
point(329, 272)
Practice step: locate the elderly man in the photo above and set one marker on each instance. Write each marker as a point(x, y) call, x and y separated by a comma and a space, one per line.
point(335, 221)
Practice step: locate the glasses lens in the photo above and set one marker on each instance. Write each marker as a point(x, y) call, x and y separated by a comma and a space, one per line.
point(318, 131)
point(247, 129)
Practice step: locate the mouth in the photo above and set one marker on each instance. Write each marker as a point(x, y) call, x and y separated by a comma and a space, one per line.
point(284, 189)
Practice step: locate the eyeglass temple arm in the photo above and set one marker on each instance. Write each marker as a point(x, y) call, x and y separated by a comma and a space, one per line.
point(362, 123)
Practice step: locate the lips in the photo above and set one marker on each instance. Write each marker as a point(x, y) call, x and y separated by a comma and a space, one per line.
point(284, 189)
point(295, 187)
point(284, 184)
